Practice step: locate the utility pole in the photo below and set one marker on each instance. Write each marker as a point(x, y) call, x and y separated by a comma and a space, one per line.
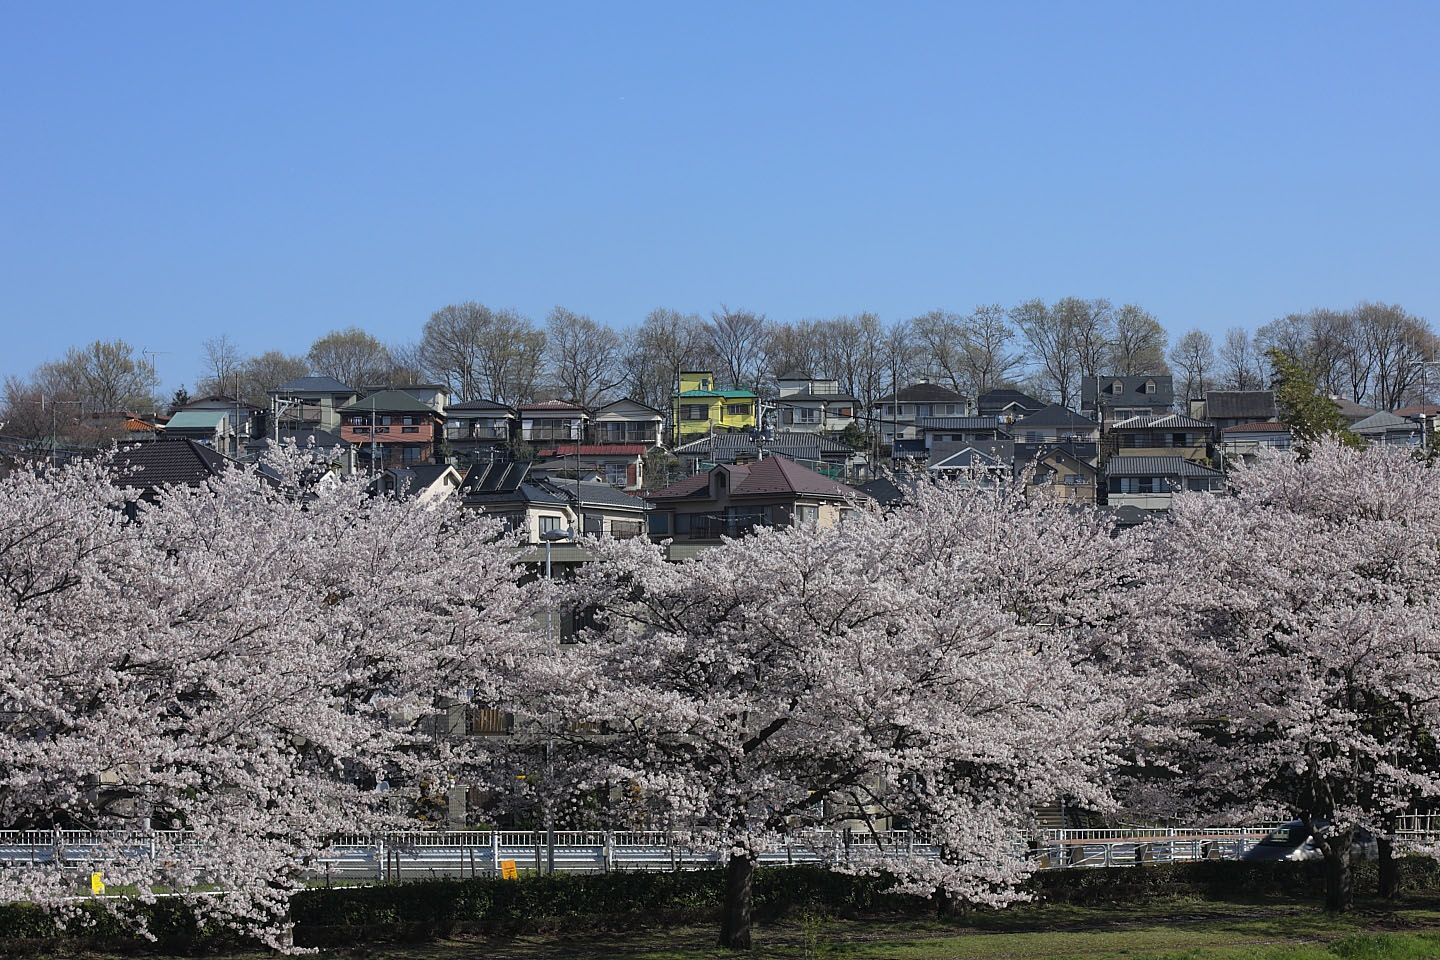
point(154, 380)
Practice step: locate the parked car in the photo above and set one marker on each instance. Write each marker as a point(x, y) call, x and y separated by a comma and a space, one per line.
point(1292, 841)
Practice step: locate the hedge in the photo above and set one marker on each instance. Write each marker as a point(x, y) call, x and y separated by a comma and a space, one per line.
point(423, 909)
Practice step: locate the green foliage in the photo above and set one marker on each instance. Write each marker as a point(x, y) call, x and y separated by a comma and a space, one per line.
point(853, 435)
point(1309, 413)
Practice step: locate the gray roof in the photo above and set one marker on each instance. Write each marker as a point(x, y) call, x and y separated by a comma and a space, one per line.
point(922, 393)
point(312, 385)
point(388, 401)
point(1163, 421)
point(1055, 415)
point(165, 462)
point(1131, 391)
point(480, 405)
point(812, 397)
point(1157, 467)
point(593, 494)
point(1240, 404)
point(197, 419)
point(958, 423)
point(998, 400)
point(963, 459)
point(1384, 422)
point(725, 447)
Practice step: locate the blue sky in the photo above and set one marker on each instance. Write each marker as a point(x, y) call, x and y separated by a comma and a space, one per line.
point(169, 172)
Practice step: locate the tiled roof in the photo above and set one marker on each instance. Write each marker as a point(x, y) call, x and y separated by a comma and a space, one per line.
point(1055, 415)
point(1261, 427)
point(1382, 421)
point(1231, 404)
point(597, 450)
point(1157, 467)
point(166, 462)
point(1164, 421)
point(921, 393)
point(965, 459)
point(596, 494)
point(387, 401)
point(616, 403)
point(1131, 391)
point(1000, 399)
point(767, 477)
point(197, 419)
point(480, 405)
point(727, 447)
point(958, 423)
point(724, 394)
point(552, 406)
point(1418, 410)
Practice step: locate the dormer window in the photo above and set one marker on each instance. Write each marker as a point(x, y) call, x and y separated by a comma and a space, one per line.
point(1149, 386)
point(1117, 388)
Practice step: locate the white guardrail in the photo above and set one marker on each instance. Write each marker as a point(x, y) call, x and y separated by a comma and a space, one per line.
point(476, 853)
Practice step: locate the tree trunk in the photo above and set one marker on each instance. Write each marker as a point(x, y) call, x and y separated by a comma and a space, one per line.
point(1339, 878)
point(735, 915)
point(1389, 869)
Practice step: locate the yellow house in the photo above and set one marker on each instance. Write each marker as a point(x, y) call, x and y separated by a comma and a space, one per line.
point(700, 405)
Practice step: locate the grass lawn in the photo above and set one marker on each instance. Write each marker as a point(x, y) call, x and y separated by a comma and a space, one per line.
point(1157, 930)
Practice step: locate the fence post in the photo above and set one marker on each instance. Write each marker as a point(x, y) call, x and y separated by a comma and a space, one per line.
point(609, 850)
point(381, 858)
point(494, 853)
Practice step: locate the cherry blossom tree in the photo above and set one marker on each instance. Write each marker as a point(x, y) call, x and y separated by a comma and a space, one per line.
point(1300, 618)
point(914, 669)
point(246, 661)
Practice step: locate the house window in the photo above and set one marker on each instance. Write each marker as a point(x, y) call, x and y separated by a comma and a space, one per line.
point(412, 454)
point(548, 524)
point(359, 421)
point(738, 409)
point(659, 523)
point(1149, 386)
point(695, 411)
point(407, 421)
point(807, 415)
point(386, 420)
point(806, 513)
point(1076, 480)
point(922, 410)
point(614, 473)
point(409, 429)
point(682, 523)
point(1032, 436)
point(847, 412)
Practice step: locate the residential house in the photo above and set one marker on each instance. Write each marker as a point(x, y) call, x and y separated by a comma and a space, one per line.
point(219, 421)
point(1061, 475)
point(392, 429)
point(423, 481)
point(1245, 440)
point(1121, 398)
point(602, 509)
point(1386, 428)
point(310, 403)
point(1227, 408)
point(933, 430)
point(832, 458)
point(619, 464)
point(807, 404)
point(1353, 412)
point(436, 396)
point(969, 464)
point(479, 429)
point(1007, 405)
point(895, 415)
point(1170, 435)
point(552, 421)
point(506, 491)
point(1150, 482)
point(344, 457)
point(730, 500)
point(1055, 427)
point(701, 406)
point(626, 421)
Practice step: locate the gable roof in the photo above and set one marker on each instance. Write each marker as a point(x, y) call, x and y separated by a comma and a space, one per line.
point(1383, 422)
point(727, 447)
point(1131, 390)
point(480, 405)
point(1263, 426)
point(964, 460)
point(1351, 410)
point(496, 476)
point(598, 450)
point(388, 401)
point(1233, 404)
point(921, 393)
point(1157, 467)
point(1054, 415)
point(593, 494)
point(312, 385)
point(813, 396)
point(197, 419)
point(1164, 421)
point(632, 402)
point(159, 463)
point(997, 400)
point(1049, 454)
point(773, 475)
point(958, 423)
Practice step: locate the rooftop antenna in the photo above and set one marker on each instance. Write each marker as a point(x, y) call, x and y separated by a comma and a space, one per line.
point(154, 380)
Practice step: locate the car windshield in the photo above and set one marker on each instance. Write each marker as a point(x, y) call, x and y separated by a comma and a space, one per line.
point(1290, 835)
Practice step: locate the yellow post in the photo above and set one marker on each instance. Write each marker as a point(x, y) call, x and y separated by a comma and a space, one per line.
point(508, 871)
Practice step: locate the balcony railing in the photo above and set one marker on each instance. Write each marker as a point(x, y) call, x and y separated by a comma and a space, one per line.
point(467, 431)
point(483, 721)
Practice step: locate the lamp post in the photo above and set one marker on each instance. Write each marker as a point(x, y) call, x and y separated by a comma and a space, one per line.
point(550, 537)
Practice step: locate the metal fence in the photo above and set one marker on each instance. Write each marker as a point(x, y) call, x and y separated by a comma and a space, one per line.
point(476, 853)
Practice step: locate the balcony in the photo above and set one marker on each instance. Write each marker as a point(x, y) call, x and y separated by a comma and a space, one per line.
point(647, 434)
point(475, 431)
point(484, 721)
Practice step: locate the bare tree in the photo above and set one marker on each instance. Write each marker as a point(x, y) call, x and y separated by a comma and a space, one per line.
point(1052, 349)
point(584, 356)
point(104, 376)
point(1138, 344)
point(222, 364)
point(737, 339)
point(450, 346)
point(988, 361)
point(853, 351)
point(1396, 343)
point(512, 353)
point(940, 341)
point(405, 364)
point(1240, 362)
point(1091, 323)
point(665, 343)
point(259, 375)
point(351, 356)
point(1194, 357)
point(791, 347)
